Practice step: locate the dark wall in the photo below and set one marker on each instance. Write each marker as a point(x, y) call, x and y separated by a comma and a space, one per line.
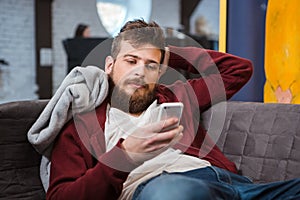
point(245, 38)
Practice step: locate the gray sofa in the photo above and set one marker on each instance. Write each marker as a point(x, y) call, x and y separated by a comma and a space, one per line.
point(262, 139)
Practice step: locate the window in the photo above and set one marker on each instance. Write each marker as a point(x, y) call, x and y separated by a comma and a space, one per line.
point(114, 13)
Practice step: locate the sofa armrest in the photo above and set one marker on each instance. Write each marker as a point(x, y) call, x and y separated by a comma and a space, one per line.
point(19, 162)
point(262, 139)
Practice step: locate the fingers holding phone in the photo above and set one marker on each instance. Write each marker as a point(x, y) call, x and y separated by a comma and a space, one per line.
point(149, 141)
point(152, 141)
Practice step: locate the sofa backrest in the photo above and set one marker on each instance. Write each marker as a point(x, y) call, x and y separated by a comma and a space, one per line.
point(262, 139)
point(19, 162)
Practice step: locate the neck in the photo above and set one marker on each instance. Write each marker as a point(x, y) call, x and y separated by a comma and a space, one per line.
point(135, 114)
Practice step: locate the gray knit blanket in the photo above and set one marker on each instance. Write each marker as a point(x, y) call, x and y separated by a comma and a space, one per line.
point(83, 89)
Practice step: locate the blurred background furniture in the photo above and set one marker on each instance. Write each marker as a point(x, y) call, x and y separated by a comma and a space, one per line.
point(77, 50)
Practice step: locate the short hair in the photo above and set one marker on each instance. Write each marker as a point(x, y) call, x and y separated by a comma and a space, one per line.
point(138, 33)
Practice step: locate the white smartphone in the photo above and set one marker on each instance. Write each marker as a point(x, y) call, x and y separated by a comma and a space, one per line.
point(168, 110)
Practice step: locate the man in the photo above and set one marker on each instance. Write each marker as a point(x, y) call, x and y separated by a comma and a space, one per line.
point(119, 152)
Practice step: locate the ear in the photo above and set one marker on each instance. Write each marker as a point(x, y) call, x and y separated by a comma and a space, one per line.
point(162, 70)
point(164, 65)
point(109, 63)
point(167, 56)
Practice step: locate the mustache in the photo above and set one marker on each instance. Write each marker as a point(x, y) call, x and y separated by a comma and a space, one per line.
point(137, 81)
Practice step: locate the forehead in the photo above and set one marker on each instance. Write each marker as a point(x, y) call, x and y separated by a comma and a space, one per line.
point(145, 51)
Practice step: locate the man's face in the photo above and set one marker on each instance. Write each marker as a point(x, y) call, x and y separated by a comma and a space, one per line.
point(135, 71)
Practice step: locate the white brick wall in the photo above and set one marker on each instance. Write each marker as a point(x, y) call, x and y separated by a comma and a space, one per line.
point(66, 14)
point(17, 39)
point(17, 46)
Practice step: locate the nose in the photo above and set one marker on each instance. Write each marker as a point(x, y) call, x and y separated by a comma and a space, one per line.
point(140, 70)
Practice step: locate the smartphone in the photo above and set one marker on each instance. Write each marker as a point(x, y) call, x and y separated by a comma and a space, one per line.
point(168, 110)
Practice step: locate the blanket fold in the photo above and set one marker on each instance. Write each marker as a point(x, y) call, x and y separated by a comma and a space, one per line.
point(82, 90)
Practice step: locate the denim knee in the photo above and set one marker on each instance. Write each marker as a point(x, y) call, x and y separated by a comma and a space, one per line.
point(175, 187)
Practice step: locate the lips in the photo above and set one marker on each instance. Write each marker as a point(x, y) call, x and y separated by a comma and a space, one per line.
point(137, 83)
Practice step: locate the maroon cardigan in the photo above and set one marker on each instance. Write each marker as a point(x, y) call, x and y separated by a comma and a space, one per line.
point(77, 174)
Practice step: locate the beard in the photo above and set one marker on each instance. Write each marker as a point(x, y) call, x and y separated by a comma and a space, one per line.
point(136, 103)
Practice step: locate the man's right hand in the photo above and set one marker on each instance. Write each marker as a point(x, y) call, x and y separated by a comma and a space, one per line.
point(149, 141)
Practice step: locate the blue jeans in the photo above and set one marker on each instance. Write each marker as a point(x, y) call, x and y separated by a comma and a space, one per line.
point(213, 183)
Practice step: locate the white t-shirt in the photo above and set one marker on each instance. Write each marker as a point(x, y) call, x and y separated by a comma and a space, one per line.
point(120, 124)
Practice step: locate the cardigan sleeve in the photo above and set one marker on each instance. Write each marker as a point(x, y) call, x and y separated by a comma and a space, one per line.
point(75, 174)
point(221, 74)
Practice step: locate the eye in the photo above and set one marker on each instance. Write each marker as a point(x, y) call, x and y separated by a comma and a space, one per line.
point(131, 61)
point(152, 67)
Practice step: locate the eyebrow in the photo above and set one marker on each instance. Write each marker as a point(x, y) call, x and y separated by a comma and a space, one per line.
point(137, 57)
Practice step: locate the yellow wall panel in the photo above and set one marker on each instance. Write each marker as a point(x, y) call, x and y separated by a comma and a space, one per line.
point(282, 52)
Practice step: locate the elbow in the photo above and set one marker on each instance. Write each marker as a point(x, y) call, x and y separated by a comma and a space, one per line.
point(247, 69)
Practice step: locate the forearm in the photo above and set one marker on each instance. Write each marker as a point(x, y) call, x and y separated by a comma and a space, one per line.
point(205, 62)
point(100, 182)
point(75, 174)
point(222, 75)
